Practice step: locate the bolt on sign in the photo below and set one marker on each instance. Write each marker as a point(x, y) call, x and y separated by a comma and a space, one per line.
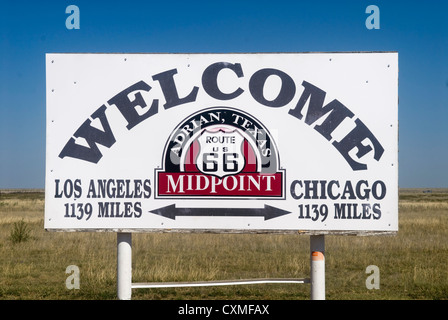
point(291, 142)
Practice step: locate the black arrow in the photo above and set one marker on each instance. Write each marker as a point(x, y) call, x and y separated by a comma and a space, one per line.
point(267, 212)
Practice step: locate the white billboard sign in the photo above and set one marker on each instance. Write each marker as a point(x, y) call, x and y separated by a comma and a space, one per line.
point(222, 142)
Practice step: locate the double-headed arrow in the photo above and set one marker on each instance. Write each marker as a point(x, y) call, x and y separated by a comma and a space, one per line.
point(267, 212)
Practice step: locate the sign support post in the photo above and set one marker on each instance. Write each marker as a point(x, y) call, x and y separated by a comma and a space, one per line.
point(124, 265)
point(317, 273)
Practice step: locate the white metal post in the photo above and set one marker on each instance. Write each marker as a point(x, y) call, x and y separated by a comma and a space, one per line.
point(317, 260)
point(124, 265)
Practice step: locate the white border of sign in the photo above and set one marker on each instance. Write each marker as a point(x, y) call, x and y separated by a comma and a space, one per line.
point(125, 132)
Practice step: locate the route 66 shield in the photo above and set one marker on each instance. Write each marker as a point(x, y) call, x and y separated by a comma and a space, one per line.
point(220, 152)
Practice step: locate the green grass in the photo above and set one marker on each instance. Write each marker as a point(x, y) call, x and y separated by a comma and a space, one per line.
point(412, 264)
point(20, 232)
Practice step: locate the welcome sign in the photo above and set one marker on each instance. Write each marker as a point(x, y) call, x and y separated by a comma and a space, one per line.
point(222, 142)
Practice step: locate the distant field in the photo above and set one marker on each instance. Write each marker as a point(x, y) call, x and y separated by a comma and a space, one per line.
point(412, 264)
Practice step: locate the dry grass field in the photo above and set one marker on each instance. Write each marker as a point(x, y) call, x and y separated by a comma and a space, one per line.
point(412, 264)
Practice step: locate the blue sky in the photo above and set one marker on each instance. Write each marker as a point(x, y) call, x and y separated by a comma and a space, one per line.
point(418, 30)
